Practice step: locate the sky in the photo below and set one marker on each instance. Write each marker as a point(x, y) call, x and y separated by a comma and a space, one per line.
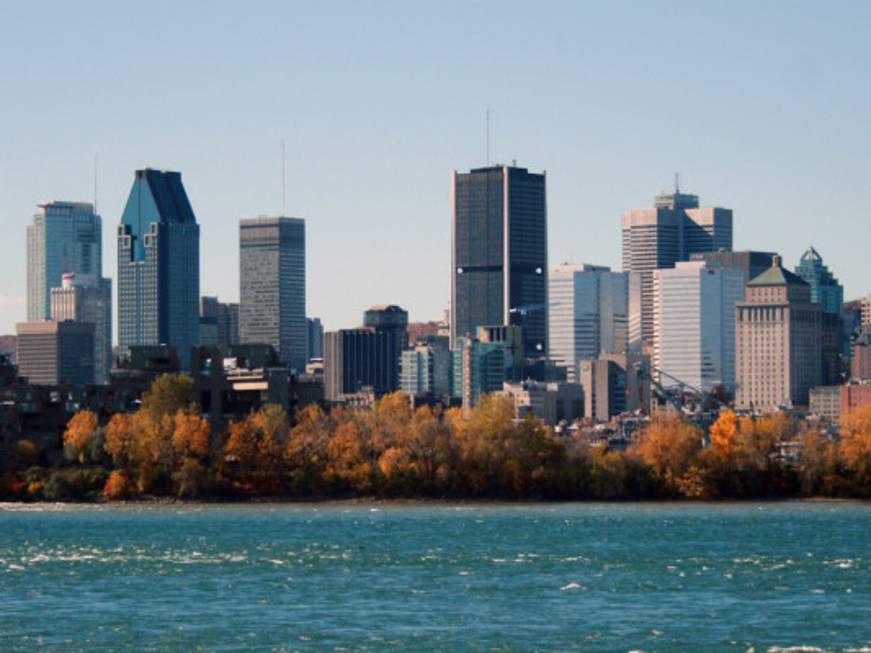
point(762, 107)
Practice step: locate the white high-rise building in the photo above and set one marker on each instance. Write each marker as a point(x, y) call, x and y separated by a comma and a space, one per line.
point(694, 323)
point(86, 298)
point(588, 310)
point(272, 287)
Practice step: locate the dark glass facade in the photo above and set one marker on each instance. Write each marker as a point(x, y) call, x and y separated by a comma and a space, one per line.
point(499, 253)
point(356, 360)
point(158, 266)
point(393, 322)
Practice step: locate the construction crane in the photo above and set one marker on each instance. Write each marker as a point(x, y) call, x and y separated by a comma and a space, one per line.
point(672, 394)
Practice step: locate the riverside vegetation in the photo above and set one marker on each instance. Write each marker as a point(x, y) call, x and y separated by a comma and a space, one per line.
point(167, 449)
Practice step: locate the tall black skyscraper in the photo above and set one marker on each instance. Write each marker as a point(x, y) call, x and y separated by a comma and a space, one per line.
point(499, 253)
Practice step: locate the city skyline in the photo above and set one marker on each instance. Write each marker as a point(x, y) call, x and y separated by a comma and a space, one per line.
point(601, 155)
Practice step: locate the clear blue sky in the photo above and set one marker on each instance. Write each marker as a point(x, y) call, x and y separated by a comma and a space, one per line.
point(763, 107)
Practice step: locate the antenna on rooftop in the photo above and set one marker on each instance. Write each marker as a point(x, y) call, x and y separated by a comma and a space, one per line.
point(488, 135)
point(283, 179)
point(676, 183)
point(95, 185)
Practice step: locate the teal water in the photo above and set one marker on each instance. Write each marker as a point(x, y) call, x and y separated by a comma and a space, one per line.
point(384, 577)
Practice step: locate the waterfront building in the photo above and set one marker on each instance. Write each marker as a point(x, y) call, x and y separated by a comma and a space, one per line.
point(613, 386)
point(551, 402)
point(272, 287)
point(358, 360)
point(499, 254)
point(425, 371)
point(671, 231)
point(53, 353)
point(588, 313)
point(777, 342)
point(825, 401)
point(63, 237)
point(86, 298)
point(392, 321)
point(860, 361)
point(315, 338)
point(694, 324)
point(478, 368)
point(158, 266)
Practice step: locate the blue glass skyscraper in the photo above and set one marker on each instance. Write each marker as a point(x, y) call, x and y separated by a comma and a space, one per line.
point(158, 266)
point(65, 237)
point(825, 289)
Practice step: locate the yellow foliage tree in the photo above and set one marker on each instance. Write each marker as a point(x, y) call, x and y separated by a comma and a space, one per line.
point(669, 446)
point(79, 433)
point(723, 433)
point(855, 446)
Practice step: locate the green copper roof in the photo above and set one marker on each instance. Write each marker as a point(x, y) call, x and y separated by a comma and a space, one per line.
point(776, 275)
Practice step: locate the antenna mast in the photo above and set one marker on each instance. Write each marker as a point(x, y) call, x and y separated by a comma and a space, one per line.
point(283, 179)
point(677, 183)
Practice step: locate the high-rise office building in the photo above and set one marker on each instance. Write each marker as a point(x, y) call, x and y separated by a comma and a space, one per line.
point(751, 263)
point(829, 294)
point(393, 322)
point(357, 360)
point(426, 371)
point(315, 338)
point(499, 253)
point(671, 231)
point(64, 237)
point(53, 353)
point(694, 324)
point(85, 298)
point(158, 266)
point(478, 368)
point(588, 313)
point(777, 341)
point(272, 287)
point(220, 321)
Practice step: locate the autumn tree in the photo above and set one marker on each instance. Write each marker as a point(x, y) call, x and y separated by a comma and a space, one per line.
point(855, 447)
point(722, 434)
point(257, 444)
point(670, 447)
point(79, 435)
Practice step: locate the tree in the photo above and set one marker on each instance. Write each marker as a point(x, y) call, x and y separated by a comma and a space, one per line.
point(168, 394)
point(80, 431)
point(855, 447)
point(670, 447)
point(722, 434)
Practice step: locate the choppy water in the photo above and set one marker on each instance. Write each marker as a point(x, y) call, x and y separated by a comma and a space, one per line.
point(340, 577)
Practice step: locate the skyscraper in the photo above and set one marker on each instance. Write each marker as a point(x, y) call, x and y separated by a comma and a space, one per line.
point(751, 263)
point(392, 321)
point(777, 341)
point(272, 287)
point(315, 338)
point(158, 266)
point(829, 294)
point(356, 360)
point(671, 231)
point(694, 323)
point(588, 311)
point(85, 298)
point(64, 237)
point(499, 253)
point(221, 319)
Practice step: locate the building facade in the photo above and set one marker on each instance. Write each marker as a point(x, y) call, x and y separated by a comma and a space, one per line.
point(272, 287)
point(499, 254)
point(221, 322)
point(158, 266)
point(671, 231)
point(777, 342)
point(315, 338)
point(694, 324)
point(392, 321)
point(860, 361)
point(829, 294)
point(85, 298)
point(357, 360)
point(588, 314)
point(63, 237)
point(53, 353)
point(425, 371)
point(751, 263)
point(478, 368)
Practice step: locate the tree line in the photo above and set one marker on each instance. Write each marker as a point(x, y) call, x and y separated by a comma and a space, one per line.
point(167, 449)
